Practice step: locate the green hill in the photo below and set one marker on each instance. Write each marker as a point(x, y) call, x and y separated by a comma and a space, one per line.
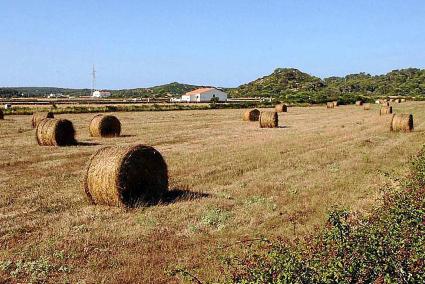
point(280, 82)
point(293, 85)
point(42, 91)
point(174, 88)
point(285, 84)
point(162, 90)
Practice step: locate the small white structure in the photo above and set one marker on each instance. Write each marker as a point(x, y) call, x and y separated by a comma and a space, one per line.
point(101, 94)
point(175, 100)
point(204, 95)
point(58, 95)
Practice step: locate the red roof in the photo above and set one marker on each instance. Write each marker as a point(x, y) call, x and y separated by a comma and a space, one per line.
point(199, 91)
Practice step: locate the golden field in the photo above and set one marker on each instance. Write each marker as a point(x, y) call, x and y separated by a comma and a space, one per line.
point(230, 181)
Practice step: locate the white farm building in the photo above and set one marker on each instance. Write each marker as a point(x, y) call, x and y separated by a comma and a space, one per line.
point(204, 95)
point(101, 94)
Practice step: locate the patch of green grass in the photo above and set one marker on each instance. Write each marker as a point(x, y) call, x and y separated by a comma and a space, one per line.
point(147, 220)
point(215, 218)
point(37, 270)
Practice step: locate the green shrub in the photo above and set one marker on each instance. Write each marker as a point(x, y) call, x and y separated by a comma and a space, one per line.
point(385, 247)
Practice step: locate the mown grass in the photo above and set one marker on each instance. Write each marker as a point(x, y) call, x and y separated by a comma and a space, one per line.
point(246, 183)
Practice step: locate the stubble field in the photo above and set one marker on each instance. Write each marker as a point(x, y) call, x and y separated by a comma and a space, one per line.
point(229, 181)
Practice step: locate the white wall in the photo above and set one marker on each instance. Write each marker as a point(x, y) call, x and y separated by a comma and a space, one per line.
point(214, 93)
point(98, 94)
point(205, 97)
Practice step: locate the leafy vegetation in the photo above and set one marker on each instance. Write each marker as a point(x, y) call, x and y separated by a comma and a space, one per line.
point(284, 84)
point(292, 85)
point(42, 91)
point(157, 91)
point(385, 247)
point(135, 108)
point(6, 93)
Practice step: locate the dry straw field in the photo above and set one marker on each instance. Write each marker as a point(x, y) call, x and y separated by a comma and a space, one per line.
point(230, 180)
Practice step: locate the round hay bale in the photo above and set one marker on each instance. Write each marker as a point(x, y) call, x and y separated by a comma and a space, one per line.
point(126, 176)
point(359, 103)
point(386, 110)
point(39, 116)
point(335, 103)
point(1, 114)
point(402, 100)
point(105, 126)
point(281, 108)
point(251, 115)
point(402, 122)
point(55, 132)
point(366, 106)
point(269, 119)
point(330, 105)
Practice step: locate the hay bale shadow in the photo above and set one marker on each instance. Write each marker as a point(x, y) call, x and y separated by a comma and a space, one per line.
point(179, 195)
point(87, 144)
point(127, 135)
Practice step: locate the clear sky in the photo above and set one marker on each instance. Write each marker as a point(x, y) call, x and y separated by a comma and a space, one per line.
point(217, 42)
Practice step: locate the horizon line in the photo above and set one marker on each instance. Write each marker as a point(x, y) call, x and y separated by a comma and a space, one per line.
point(203, 85)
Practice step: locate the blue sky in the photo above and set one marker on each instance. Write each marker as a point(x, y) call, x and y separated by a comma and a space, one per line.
point(220, 43)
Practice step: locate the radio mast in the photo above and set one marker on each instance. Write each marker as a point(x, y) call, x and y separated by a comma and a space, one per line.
point(93, 80)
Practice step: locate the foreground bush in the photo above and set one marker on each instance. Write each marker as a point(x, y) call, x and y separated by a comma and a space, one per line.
point(388, 246)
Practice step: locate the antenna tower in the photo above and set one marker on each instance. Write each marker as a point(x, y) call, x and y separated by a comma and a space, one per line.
point(93, 80)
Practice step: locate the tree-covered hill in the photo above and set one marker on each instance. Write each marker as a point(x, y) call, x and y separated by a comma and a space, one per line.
point(156, 91)
point(41, 91)
point(293, 85)
point(285, 84)
point(280, 82)
point(174, 88)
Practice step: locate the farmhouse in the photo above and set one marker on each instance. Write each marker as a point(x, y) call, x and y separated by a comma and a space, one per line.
point(204, 95)
point(101, 94)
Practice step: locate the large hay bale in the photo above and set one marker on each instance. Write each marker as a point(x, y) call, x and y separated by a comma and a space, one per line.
point(335, 103)
point(1, 114)
point(402, 100)
point(397, 101)
point(105, 126)
point(39, 116)
point(55, 132)
point(402, 122)
point(251, 115)
point(126, 176)
point(359, 103)
point(269, 119)
point(386, 110)
point(366, 106)
point(330, 105)
point(281, 108)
